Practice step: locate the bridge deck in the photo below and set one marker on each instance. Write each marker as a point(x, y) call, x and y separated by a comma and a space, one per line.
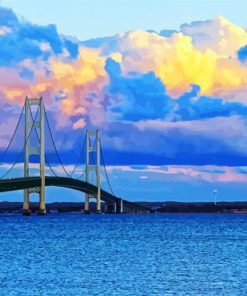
point(75, 184)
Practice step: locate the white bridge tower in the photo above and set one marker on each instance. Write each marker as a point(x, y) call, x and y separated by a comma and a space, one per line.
point(93, 148)
point(37, 124)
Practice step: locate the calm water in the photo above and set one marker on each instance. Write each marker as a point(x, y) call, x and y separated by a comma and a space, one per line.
point(123, 255)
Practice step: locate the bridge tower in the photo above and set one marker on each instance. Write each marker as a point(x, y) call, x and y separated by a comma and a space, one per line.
point(38, 124)
point(92, 148)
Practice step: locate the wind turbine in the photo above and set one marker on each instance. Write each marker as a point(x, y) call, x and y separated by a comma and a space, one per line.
point(215, 192)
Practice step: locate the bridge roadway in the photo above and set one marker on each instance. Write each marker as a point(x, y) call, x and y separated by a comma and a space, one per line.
point(75, 184)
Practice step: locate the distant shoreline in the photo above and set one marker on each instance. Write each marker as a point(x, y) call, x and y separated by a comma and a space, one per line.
point(155, 207)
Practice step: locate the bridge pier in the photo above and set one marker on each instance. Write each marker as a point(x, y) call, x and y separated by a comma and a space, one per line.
point(119, 206)
point(114, 207)
point(26, 207)
point(110, 208)
point(98, 204)
point(87, 205)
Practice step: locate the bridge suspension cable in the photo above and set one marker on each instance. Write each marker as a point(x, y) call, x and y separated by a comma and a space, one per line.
point(50, 167)
point(107, 177)
point(78, 160)
point(20, 153)
point(53, 141)
point(12, 138)
point(80, 176)
point(56, 151)
point(54, 145)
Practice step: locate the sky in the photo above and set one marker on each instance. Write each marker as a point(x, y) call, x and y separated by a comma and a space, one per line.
point(164, 81)
point(86, 19)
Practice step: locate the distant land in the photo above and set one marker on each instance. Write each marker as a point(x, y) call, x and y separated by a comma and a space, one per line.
point(155, 207)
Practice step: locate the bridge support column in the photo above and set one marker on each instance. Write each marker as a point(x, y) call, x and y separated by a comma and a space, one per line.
point(86, 207)
point(109, 207)
point(42, 209)
point(114, 208)
point(98, 208)
point(105, 207)
point(37, 124)
point(26, 206)
point(119, 206)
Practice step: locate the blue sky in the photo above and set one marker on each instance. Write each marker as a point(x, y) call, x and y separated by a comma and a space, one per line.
point(171, 105)
point(87, 19)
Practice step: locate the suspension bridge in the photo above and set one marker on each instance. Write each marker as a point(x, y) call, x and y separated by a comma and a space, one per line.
point(86, 180)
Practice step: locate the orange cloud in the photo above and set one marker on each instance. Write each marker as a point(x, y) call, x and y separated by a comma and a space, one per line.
point(179, 61)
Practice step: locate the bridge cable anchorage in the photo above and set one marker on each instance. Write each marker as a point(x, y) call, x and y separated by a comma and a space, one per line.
point(19, 155)
point(12, 138)
point(79, 157)
point(46, 160)
point(107, 177)
point(53, 141)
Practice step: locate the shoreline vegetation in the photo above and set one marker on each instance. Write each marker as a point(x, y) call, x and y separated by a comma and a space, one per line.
point(155, 207)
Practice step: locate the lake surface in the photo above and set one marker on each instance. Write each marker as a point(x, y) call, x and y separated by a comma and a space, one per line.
point(170, 254)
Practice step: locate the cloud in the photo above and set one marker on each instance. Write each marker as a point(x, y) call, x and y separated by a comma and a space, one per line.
point(139, 96)
point(134, 97)
point(143, 177)
point(22, 40)
point(183, 58)
point(229, 132)
point(4, 30)
point(79, 124)
point(173, 97)
point(221, 36)
point(209, 173)
point(8, 18)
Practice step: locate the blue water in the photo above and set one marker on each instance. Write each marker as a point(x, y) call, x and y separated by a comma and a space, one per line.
point(170, 254)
